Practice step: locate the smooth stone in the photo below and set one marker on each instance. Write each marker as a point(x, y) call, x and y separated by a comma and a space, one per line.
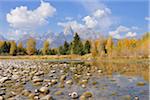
point(74, 95)
point(44, 90)
point(1, 98)
point(87, 94)
point(140, 84)
point(47, 97)
point(70, 82)
point(25, 92)
point(63, 77)
point(53, 81)
point(2, 80)
point(100, 71)
point(37, 80)
point(58, 92)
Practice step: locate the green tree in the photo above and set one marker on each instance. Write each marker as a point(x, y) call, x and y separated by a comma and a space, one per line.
point(31, 46)
point(45, 48)
point(5, 47)
point(87, 47)
point(66, 48)
point(13, 48)
point(61, 50)
point(77, 46)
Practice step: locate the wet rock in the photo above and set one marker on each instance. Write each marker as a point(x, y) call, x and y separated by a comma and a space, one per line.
point(63, 77)
point(126, 97)
point(70, 82)
point(140, 84)
point(73, 95)
point(58, 93)
point(36, 79)
point(25, 92)
point(31, 96)
point(47, 97)
point(53, 71)
point(136, 98)
point(39, 73)
point(87, 94)
point(100, 71)
point(44, 90)
point(2, 93)
point(53, 81)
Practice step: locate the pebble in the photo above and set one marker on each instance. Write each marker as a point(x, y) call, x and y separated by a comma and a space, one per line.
point(73, 95)
point(44, 90)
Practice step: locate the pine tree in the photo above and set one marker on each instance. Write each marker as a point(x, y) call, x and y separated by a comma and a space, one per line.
point(87, 47)
point(66, 48)
point(31, 46)
point(77, 46)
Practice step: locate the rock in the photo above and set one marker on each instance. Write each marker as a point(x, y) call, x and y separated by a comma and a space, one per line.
point(140, 84)
point(47, 97)
point(25, 92)
point(2, 93)
point(63, 77)
point(70, 82)
point(136, 98)
point(44, 90)
point(31, 95)
point(39, 73)
point(99, 71)
point(73, 95)
point(82, 98)
point(2, 80)
point(126, 97)
point(15, 77)
point(1, 98)
point(53, 81)
point(53, 71)
point(35, 80)
point(58, 93)
point(87, 94)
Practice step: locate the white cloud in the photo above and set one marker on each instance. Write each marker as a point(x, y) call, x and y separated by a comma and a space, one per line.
point(131, 34)
point(99, 21)
point(147, 18)
point(90, 22)
point(102, 13)
point(119, 30)
point(73, 24)
point(25, 19)
point(127, 32)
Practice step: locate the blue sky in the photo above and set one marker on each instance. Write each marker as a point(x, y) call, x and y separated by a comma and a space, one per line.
point(119, 18)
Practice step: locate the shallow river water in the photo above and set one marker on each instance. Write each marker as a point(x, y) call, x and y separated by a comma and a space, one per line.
point(105, 81)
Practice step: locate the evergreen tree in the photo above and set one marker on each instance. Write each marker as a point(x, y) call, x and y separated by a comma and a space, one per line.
point(5, 47)
point(66, 48)
point(87, 47)
point(77, 46)
point(61, 50)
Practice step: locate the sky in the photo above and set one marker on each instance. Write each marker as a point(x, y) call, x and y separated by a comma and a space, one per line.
point(116, 18)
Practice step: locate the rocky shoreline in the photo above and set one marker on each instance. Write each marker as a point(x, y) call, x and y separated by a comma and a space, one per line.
point(39, 80)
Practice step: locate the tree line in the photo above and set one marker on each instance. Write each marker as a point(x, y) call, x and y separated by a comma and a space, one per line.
point(102, 47)
point(75, 47)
